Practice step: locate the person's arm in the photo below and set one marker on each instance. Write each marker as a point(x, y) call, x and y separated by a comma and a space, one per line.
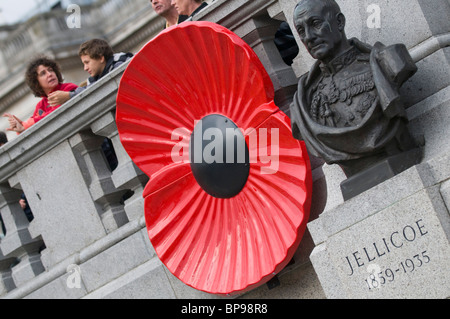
point(65, 94)
point(78, 90)
point(26, 124)
point(15, 124)
point(58, 98)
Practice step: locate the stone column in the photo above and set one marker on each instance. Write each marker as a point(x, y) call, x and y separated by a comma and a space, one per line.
point(65, 214)
point(97, 176)
point(6, 280)
point(259, 33)
point(127, 175)
point(18, 243)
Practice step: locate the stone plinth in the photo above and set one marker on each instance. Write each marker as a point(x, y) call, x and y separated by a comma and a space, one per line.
point(389, 242)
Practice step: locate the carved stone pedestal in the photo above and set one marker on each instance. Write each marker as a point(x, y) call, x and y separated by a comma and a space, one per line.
point(391, 241)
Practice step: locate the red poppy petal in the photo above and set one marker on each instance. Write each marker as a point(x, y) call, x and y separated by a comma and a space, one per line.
point(273, 150)
point(225, 246)
point(169, 221)
point(167, 175)
point(169, 86)
point(257, 116)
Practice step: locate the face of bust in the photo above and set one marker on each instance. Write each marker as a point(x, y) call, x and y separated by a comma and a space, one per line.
point(319, 29)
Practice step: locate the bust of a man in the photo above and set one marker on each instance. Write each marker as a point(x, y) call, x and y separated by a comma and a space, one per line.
point(347, 108)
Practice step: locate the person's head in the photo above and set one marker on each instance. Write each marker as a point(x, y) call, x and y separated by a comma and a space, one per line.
point(163, 7)
point(43, 76)
point(3, 138)
point(94, 54)
point(186, 7)
point(320, 25)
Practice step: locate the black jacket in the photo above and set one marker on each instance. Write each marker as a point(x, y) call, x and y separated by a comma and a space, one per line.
point(113, 62)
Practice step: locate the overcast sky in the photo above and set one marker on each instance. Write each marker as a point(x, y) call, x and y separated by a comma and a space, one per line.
point(13, 10)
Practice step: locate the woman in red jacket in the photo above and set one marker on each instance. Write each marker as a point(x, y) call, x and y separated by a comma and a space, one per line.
point(43, 76)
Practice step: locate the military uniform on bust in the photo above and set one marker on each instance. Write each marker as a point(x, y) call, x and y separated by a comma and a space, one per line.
point(338, 112)
point(348, 108)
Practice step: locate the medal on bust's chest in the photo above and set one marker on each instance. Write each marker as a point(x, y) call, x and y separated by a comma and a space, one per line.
point(344, 92)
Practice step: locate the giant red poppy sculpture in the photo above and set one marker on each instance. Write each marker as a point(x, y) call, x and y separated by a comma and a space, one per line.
point(229, 192)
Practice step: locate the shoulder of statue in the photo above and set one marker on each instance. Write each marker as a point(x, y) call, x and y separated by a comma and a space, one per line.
point(395, 62)
point(361, 46)
point(307, 78)
point(303, 77)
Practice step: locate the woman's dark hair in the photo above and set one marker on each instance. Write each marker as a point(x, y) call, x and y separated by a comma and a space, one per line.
point(31, 75)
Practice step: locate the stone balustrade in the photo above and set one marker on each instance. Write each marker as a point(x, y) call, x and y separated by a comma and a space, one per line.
point(86, 240)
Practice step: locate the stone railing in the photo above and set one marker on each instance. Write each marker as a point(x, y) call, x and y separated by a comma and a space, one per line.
point(86, 239)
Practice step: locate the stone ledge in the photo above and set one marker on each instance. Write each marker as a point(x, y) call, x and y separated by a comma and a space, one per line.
point(145, 281)
point(86, 254)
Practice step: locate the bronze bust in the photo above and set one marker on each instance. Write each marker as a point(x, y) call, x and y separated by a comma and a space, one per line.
point(348, 108)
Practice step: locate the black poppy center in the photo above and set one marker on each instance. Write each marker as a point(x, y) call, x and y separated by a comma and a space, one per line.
point(219, 156)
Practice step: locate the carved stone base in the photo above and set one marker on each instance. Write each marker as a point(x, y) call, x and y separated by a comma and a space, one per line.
point(389, 242)
point(379, 173)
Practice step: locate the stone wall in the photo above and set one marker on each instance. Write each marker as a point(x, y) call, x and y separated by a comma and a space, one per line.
point(84, 242)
